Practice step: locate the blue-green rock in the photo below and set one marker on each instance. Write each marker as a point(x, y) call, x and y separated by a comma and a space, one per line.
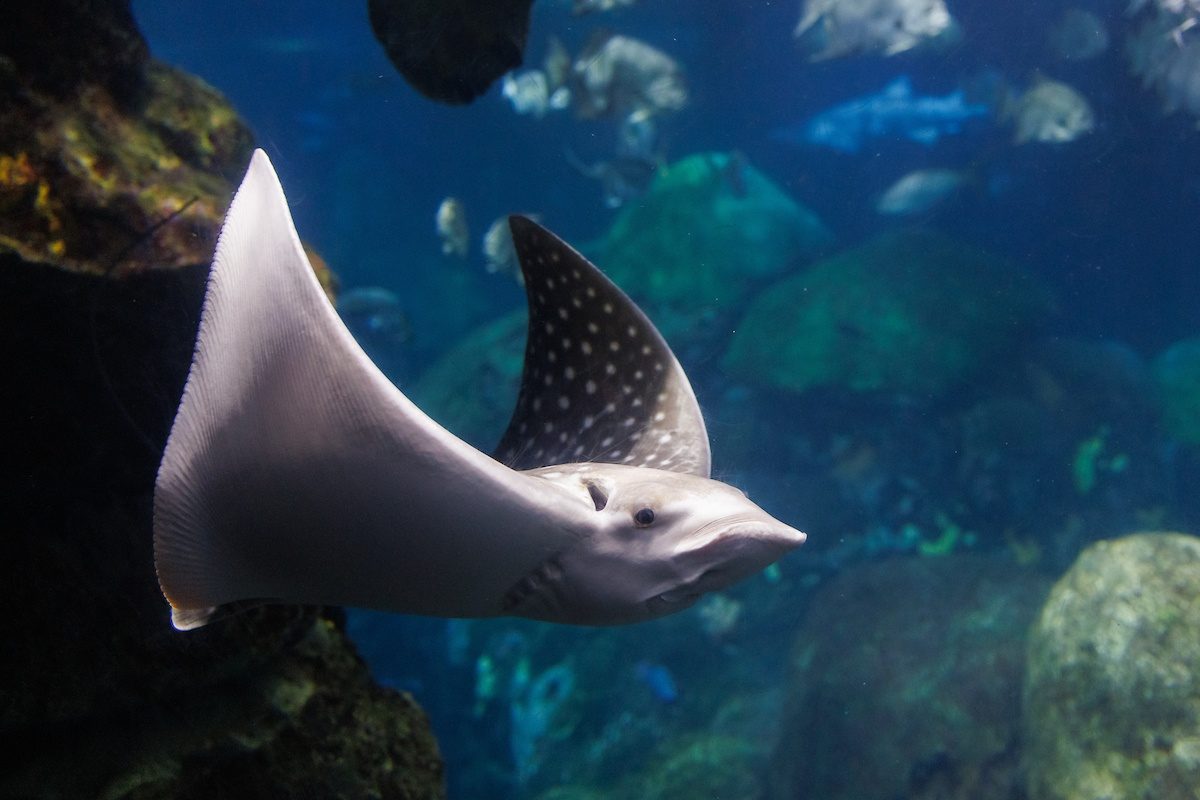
point(710, 226)
point(472, 388)
point(1177, 372)
point(909, 312)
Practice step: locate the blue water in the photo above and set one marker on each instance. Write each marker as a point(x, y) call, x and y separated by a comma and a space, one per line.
point(1108, 222)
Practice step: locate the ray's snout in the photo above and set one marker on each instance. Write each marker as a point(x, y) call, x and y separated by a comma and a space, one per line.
point(740, 545)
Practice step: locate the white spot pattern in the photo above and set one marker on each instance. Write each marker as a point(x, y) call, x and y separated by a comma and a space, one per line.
point(606, 414)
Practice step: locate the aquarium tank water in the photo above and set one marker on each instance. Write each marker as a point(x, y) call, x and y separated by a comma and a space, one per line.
point(601, 399)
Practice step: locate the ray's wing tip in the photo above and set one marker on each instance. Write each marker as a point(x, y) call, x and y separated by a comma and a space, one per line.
point(521, 225)
point(260, 167)
point(187, 619)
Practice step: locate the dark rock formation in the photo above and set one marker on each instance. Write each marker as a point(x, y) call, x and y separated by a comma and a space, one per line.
point(907, 682)
point(113, 179)
point(452, 50)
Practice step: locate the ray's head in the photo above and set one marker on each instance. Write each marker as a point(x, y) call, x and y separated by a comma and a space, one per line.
point(654, 543)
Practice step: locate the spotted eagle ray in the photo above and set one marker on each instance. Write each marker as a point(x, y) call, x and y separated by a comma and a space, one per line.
point(297, 472)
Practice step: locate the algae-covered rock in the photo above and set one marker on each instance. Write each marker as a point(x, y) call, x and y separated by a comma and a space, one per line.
point(1177, 372)
point(98, 312)
point(473, 387)
point(908, 312)
point(906, 683)
point(707, 765)
point(1112, 697)
point(108, 170)
point(683, 768)
point(710, 226)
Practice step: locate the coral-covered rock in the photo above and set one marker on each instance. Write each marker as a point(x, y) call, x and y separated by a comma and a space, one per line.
point(1112, 696)
point(909, 312)
point(112, 170)
point(906, 683)
point(709, 230)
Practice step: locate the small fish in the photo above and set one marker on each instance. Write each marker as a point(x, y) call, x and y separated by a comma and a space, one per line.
point(581, 7)
point(920, 191)
point(1165, 6)
point(557, 66)
point(1077, 36)
point(498, 251)
point(658, 679)
point(621, 179)
point(719, 614)
point(376, 312)
point(618, 75)
point(895, 112)
point(536, 91)
point(637, 135)
point(836, 28)
point(1050, 111)
point(1167, 60)
point(452, 227)
point(528, 92)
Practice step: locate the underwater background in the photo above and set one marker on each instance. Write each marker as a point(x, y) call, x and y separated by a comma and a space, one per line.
point(938, 299)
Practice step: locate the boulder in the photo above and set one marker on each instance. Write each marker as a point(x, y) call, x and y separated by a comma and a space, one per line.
point(906, 683)
point(909, 312)
point(1112, 694)
point(709, 230)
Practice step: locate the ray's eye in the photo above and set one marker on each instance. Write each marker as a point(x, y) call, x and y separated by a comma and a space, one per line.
point(644, 517)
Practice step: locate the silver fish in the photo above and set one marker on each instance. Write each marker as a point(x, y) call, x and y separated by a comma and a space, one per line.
point(296, 472)
point(452, 227)
point(618, 76)
point(536, 91)
point(1050, 111)
point(838, 28)
point(920, 191)
point(581, 7)
point(498, 251)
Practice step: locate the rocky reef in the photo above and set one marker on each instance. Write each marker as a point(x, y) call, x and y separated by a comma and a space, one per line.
point(1112, 696)
point(709, 231)
point(910, 671)
point(114, 173)
point(908, 312)
point(81, 132)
